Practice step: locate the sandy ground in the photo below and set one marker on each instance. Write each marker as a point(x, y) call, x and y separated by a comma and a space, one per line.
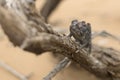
point(102, 14)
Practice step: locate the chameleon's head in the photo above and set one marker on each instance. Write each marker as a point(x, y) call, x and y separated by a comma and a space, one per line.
point(81, 24)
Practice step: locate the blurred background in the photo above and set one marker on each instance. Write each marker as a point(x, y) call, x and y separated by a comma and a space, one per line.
point(102, 14)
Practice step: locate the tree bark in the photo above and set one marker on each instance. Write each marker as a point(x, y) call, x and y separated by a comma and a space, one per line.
point(33, 34)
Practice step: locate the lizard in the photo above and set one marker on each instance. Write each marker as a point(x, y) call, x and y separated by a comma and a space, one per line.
point(81, 32)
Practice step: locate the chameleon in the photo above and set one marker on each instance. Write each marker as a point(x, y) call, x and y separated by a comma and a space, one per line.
point(81, 32)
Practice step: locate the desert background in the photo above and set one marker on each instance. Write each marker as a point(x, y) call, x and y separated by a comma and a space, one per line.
point(102, 14)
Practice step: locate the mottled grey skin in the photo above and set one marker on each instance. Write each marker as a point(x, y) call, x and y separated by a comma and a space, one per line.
point(81, 33)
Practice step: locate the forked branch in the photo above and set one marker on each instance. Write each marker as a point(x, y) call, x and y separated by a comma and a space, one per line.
point(38, 37)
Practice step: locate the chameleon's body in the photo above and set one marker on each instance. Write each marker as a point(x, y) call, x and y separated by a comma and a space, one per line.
point(81, 33)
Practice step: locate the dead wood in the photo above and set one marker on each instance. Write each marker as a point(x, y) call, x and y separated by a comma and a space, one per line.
point(105, 34)
point(25, 28)
point(13, 71)
point(49, 7)
point(61, 65)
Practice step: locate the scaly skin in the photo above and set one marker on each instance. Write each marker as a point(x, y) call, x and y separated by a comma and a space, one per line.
point(81, 32)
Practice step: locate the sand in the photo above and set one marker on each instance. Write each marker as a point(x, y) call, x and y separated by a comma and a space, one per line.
point(102, 14)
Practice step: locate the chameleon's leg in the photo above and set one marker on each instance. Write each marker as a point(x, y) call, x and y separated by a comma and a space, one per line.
point(87, 46)
point(82, 46)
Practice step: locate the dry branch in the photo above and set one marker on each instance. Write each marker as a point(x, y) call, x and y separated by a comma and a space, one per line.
point(13, 71)
point(38, 37)
point(95, 63)
point(105, 34)
point(49, 7)
point(61, 65)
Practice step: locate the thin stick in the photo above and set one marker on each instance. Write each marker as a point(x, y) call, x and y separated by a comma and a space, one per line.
point(105, 33)
point(57, 68)
point(49, 7)
point(13, 71)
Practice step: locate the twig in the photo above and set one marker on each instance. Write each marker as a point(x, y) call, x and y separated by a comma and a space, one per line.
point(13, 71)
point(96, 63)
point(57, 68)
point(104, 34)
point(49, 7)
point(2, 2)
point(105, 64)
